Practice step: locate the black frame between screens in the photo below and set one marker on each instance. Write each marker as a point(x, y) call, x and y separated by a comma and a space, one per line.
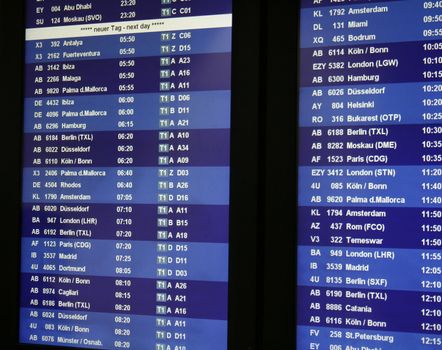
point(281, 182)
point(245, 229)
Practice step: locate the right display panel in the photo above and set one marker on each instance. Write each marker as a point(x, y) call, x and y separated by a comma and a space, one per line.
point(370, 175)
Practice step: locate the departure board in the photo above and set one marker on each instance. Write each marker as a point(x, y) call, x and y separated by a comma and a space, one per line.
point(126, 166)
point(370, 175)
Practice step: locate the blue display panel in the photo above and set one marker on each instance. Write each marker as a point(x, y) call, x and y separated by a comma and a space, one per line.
point(126, 174)
point(370, 175)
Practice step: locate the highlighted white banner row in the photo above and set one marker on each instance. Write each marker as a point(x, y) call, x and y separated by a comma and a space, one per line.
point(130, 27)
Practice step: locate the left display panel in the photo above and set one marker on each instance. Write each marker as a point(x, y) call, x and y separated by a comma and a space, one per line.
point(126, 168)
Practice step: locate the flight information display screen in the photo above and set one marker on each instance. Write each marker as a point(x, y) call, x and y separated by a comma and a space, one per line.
point(126, 174)
point(370, 175)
